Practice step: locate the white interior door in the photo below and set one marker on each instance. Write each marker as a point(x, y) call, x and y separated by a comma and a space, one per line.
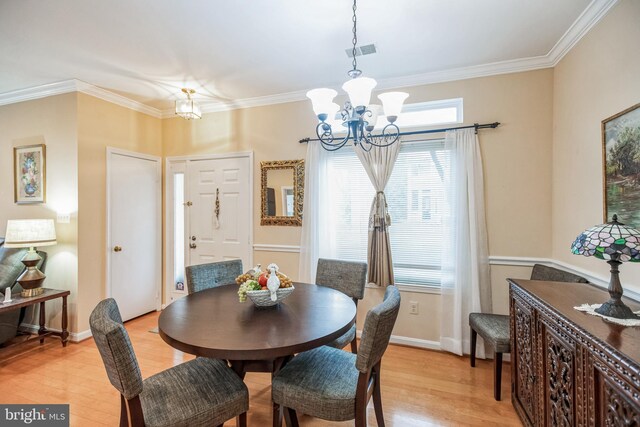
point(220, 214)
point(134, 232)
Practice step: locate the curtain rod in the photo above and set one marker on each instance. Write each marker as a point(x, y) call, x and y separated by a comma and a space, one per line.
point(475, 126)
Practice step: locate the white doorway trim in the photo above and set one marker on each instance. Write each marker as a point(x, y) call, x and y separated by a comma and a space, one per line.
point(158, 161)
point(168, 211)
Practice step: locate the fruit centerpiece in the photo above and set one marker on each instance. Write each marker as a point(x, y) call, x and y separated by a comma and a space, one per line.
point(264, 287)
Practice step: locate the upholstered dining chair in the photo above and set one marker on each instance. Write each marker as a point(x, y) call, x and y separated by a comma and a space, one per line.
point(336, 385)
point(349, 278)
point(206, 276)
point(196, 393)
point(495, 330)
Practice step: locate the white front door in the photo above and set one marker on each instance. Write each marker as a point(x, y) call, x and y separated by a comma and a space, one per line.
point(219, 212)
point(134, 232)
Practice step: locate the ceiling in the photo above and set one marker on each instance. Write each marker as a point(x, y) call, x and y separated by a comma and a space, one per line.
point(230, 51)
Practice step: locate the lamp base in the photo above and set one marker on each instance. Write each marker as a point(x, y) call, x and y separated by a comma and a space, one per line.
point(31, 279)
point(616, 308)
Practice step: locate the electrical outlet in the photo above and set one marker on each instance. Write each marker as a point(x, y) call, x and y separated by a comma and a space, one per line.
point(413, 307)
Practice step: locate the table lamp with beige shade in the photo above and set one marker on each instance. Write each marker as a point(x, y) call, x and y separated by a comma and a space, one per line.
point(30, 233)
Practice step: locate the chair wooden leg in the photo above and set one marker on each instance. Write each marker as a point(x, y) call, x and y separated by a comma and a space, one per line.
point(497, 368)
point(361, 419)
point(474, 338)
point(124, 419)
point(241, 420)
point(277, 415)
point(293, 418)
point(377, 399)
point(354, 346)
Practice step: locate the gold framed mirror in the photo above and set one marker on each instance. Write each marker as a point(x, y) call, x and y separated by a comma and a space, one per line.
point(282, 192)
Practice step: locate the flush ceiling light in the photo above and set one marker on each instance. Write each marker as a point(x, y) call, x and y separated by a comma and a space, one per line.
point(188, 108)
point(358, 116)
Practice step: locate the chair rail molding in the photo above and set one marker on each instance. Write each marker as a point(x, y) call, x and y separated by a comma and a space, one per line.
point(266, 247)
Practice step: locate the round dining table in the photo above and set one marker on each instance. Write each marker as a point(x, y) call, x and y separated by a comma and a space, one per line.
point(213, 323)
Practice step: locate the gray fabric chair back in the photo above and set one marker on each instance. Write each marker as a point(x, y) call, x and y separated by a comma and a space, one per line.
point(542, 272)
point(206, 276)
point(377, 330)
point(115, 348)
point(347, 277)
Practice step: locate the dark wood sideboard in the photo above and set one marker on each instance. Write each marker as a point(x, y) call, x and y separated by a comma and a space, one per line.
point(570, 368)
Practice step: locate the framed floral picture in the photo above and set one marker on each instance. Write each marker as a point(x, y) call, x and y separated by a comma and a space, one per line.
point(29, 170)
point(621, 153)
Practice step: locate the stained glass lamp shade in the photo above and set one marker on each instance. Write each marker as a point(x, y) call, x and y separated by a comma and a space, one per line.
point(615, 243)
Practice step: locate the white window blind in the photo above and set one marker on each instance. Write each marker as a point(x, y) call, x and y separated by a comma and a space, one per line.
point(415, 195)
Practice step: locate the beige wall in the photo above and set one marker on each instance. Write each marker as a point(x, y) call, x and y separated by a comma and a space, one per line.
point(100, 125)
point(597, 79)
point(517, 177)
point(50, 121)
point(538, 195)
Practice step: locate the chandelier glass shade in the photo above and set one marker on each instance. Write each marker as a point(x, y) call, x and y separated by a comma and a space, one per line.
point(188, 108)
point(359, 117)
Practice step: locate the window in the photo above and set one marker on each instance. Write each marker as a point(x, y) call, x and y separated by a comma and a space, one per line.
point(421, 114)
point(416, 199)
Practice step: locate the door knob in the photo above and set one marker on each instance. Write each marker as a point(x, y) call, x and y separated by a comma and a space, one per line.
point(117, 248)
point(192, 245)
point(193, 238)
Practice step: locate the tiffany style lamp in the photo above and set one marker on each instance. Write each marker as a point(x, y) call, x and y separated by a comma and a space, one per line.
point(615, 243)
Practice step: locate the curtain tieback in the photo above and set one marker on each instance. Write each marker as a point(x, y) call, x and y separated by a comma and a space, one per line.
point(381, 219)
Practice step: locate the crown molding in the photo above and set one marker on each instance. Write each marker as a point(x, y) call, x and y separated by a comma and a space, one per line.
point(37, 92)
point(114, 98)
point(258, 101)
point(596, 10)
point(74, 85)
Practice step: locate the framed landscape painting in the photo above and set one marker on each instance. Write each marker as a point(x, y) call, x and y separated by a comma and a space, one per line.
point(29, 167)
point(621, 152)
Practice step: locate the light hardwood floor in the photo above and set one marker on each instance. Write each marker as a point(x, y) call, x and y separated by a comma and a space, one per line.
point(419, 387)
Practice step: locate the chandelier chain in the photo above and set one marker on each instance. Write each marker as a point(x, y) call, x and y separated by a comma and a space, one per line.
point(355, 36)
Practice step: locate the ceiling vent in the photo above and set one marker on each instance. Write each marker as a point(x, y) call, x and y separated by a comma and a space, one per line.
point(362, 50)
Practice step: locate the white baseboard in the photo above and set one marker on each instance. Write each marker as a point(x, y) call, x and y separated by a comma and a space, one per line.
point(410, 342)
point(73, 336)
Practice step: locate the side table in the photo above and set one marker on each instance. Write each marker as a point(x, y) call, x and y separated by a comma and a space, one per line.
point(19, 301)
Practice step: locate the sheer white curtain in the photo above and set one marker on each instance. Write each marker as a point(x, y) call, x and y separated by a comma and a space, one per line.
point(312, 243)
point(466, 285)
point(378, 162)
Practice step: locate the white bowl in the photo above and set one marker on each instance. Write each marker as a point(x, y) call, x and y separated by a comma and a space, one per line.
point(263, 298)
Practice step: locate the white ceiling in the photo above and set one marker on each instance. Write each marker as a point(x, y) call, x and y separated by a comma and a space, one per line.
point(146, 50)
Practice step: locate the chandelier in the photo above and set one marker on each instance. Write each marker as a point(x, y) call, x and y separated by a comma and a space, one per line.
point(188, 108)
point(358, 116)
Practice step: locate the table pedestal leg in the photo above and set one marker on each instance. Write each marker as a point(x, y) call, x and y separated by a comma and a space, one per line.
point(42, 329)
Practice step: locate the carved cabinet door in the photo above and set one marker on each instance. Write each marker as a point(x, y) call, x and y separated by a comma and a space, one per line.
point(616, 401)
point(559, 367)
point(522, 359)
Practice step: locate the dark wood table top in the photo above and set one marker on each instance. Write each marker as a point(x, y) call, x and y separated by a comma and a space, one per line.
point(212, 323)
point(18, 301)
point(561, 297)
